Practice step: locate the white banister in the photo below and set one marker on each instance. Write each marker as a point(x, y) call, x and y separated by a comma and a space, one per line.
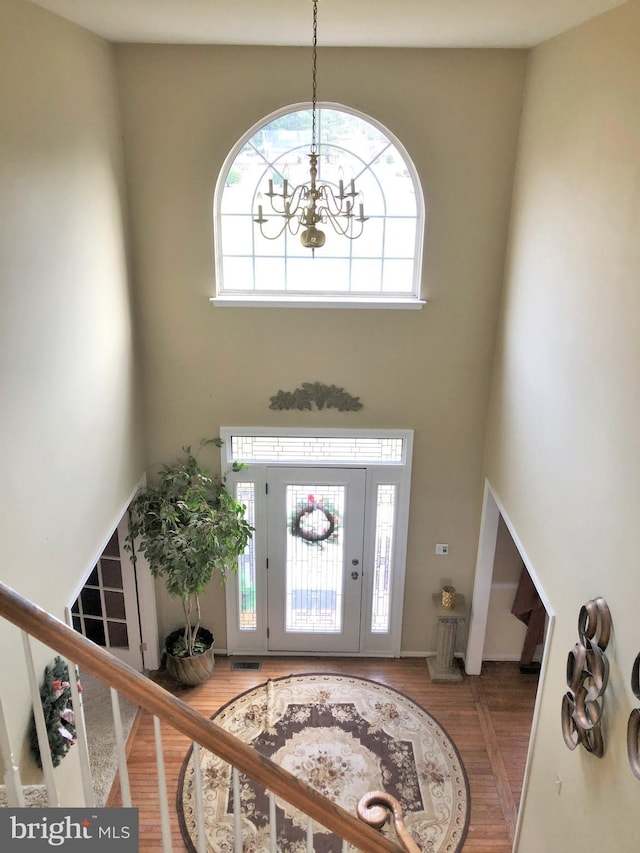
point(162, 789)
point(15, 795)
point(41, 726)
point(309, 835)
point(81, 737)
point(120, 747)
point(197, 786)
point(273, 829)
point(237, 824)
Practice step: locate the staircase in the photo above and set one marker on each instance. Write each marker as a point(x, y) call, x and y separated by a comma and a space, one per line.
point(33, 796)
point(358, 832)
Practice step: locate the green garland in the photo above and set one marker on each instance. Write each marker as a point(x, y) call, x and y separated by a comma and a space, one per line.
point(55, 696)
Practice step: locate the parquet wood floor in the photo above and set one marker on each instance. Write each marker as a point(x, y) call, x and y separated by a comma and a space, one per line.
point(488, 717)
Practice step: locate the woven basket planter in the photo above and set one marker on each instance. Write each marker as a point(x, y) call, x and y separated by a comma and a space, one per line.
point(190, 671)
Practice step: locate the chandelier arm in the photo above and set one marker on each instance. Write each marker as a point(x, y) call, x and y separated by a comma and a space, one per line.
point(334, 207)
point(292, 223)
point(293, 203)
point(346, 229)
point(338, 227)
point(275, 236)
point(278, 208)
point(334, 204)
point(298, 198)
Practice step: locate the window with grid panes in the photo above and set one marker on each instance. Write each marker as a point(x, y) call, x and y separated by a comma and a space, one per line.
point(382, 266)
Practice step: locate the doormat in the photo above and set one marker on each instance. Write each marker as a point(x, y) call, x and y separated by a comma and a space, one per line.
point(344, 736)
point(245, 664)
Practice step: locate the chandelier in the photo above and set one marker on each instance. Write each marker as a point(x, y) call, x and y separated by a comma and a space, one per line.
point(306, 205)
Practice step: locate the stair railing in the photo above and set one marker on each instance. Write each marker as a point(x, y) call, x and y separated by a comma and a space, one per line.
point(121, 678)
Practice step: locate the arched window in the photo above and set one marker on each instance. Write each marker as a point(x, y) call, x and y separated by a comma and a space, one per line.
point(256, 263)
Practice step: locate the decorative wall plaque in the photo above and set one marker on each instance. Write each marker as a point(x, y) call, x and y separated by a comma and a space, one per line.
point(315, 393)
point(587, 678)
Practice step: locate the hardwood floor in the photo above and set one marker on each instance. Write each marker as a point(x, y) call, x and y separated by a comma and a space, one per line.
point(488, 717)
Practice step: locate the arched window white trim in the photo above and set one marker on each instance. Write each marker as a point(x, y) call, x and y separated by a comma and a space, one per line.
point(380, 269)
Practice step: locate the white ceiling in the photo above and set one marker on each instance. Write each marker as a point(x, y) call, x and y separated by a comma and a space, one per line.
point(390, 23)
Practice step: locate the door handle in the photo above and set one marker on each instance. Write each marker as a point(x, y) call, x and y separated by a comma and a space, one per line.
point(355, 575)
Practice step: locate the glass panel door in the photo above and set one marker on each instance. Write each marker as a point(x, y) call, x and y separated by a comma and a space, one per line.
point(106, 611)
point(315, 541)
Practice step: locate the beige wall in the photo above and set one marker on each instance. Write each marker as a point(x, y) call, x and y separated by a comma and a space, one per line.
point(564, 443)
point(68, 450)
point(507, 563)
point(457, 113)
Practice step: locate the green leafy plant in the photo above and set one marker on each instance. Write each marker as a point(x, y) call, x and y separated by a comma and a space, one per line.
point(189, 528)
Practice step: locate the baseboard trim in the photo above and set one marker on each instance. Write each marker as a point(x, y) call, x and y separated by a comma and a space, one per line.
point(498, 658)
point(427, 654)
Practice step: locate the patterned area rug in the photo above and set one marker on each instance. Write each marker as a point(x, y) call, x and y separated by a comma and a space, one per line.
point(344, 736)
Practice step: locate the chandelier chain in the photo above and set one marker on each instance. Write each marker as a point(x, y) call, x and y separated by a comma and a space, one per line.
point(314, 77)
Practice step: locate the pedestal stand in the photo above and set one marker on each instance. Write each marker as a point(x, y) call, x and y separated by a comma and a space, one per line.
point(441, 667)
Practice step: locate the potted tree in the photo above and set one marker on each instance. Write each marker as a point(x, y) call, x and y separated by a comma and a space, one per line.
point(189, 528)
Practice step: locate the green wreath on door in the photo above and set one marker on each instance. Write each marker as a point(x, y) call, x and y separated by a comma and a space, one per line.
point(315, 521)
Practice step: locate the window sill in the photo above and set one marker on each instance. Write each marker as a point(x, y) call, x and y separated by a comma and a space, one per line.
point(290, 301)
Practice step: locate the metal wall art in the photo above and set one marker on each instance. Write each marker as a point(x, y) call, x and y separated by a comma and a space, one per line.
point(323, 396)
point(633, 726)
point(587, 678)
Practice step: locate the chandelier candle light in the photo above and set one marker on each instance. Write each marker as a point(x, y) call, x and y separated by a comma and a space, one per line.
point(308, 204)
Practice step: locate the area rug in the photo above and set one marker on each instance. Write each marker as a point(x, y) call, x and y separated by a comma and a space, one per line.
point(344, 736)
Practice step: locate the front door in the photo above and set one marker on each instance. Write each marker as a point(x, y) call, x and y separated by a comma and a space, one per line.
point(315, 543)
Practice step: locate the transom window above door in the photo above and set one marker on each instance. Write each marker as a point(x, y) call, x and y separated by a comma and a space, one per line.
point(262, 261)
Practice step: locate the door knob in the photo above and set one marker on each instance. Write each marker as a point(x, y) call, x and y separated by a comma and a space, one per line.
point(354, 575)
point(355, 562)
